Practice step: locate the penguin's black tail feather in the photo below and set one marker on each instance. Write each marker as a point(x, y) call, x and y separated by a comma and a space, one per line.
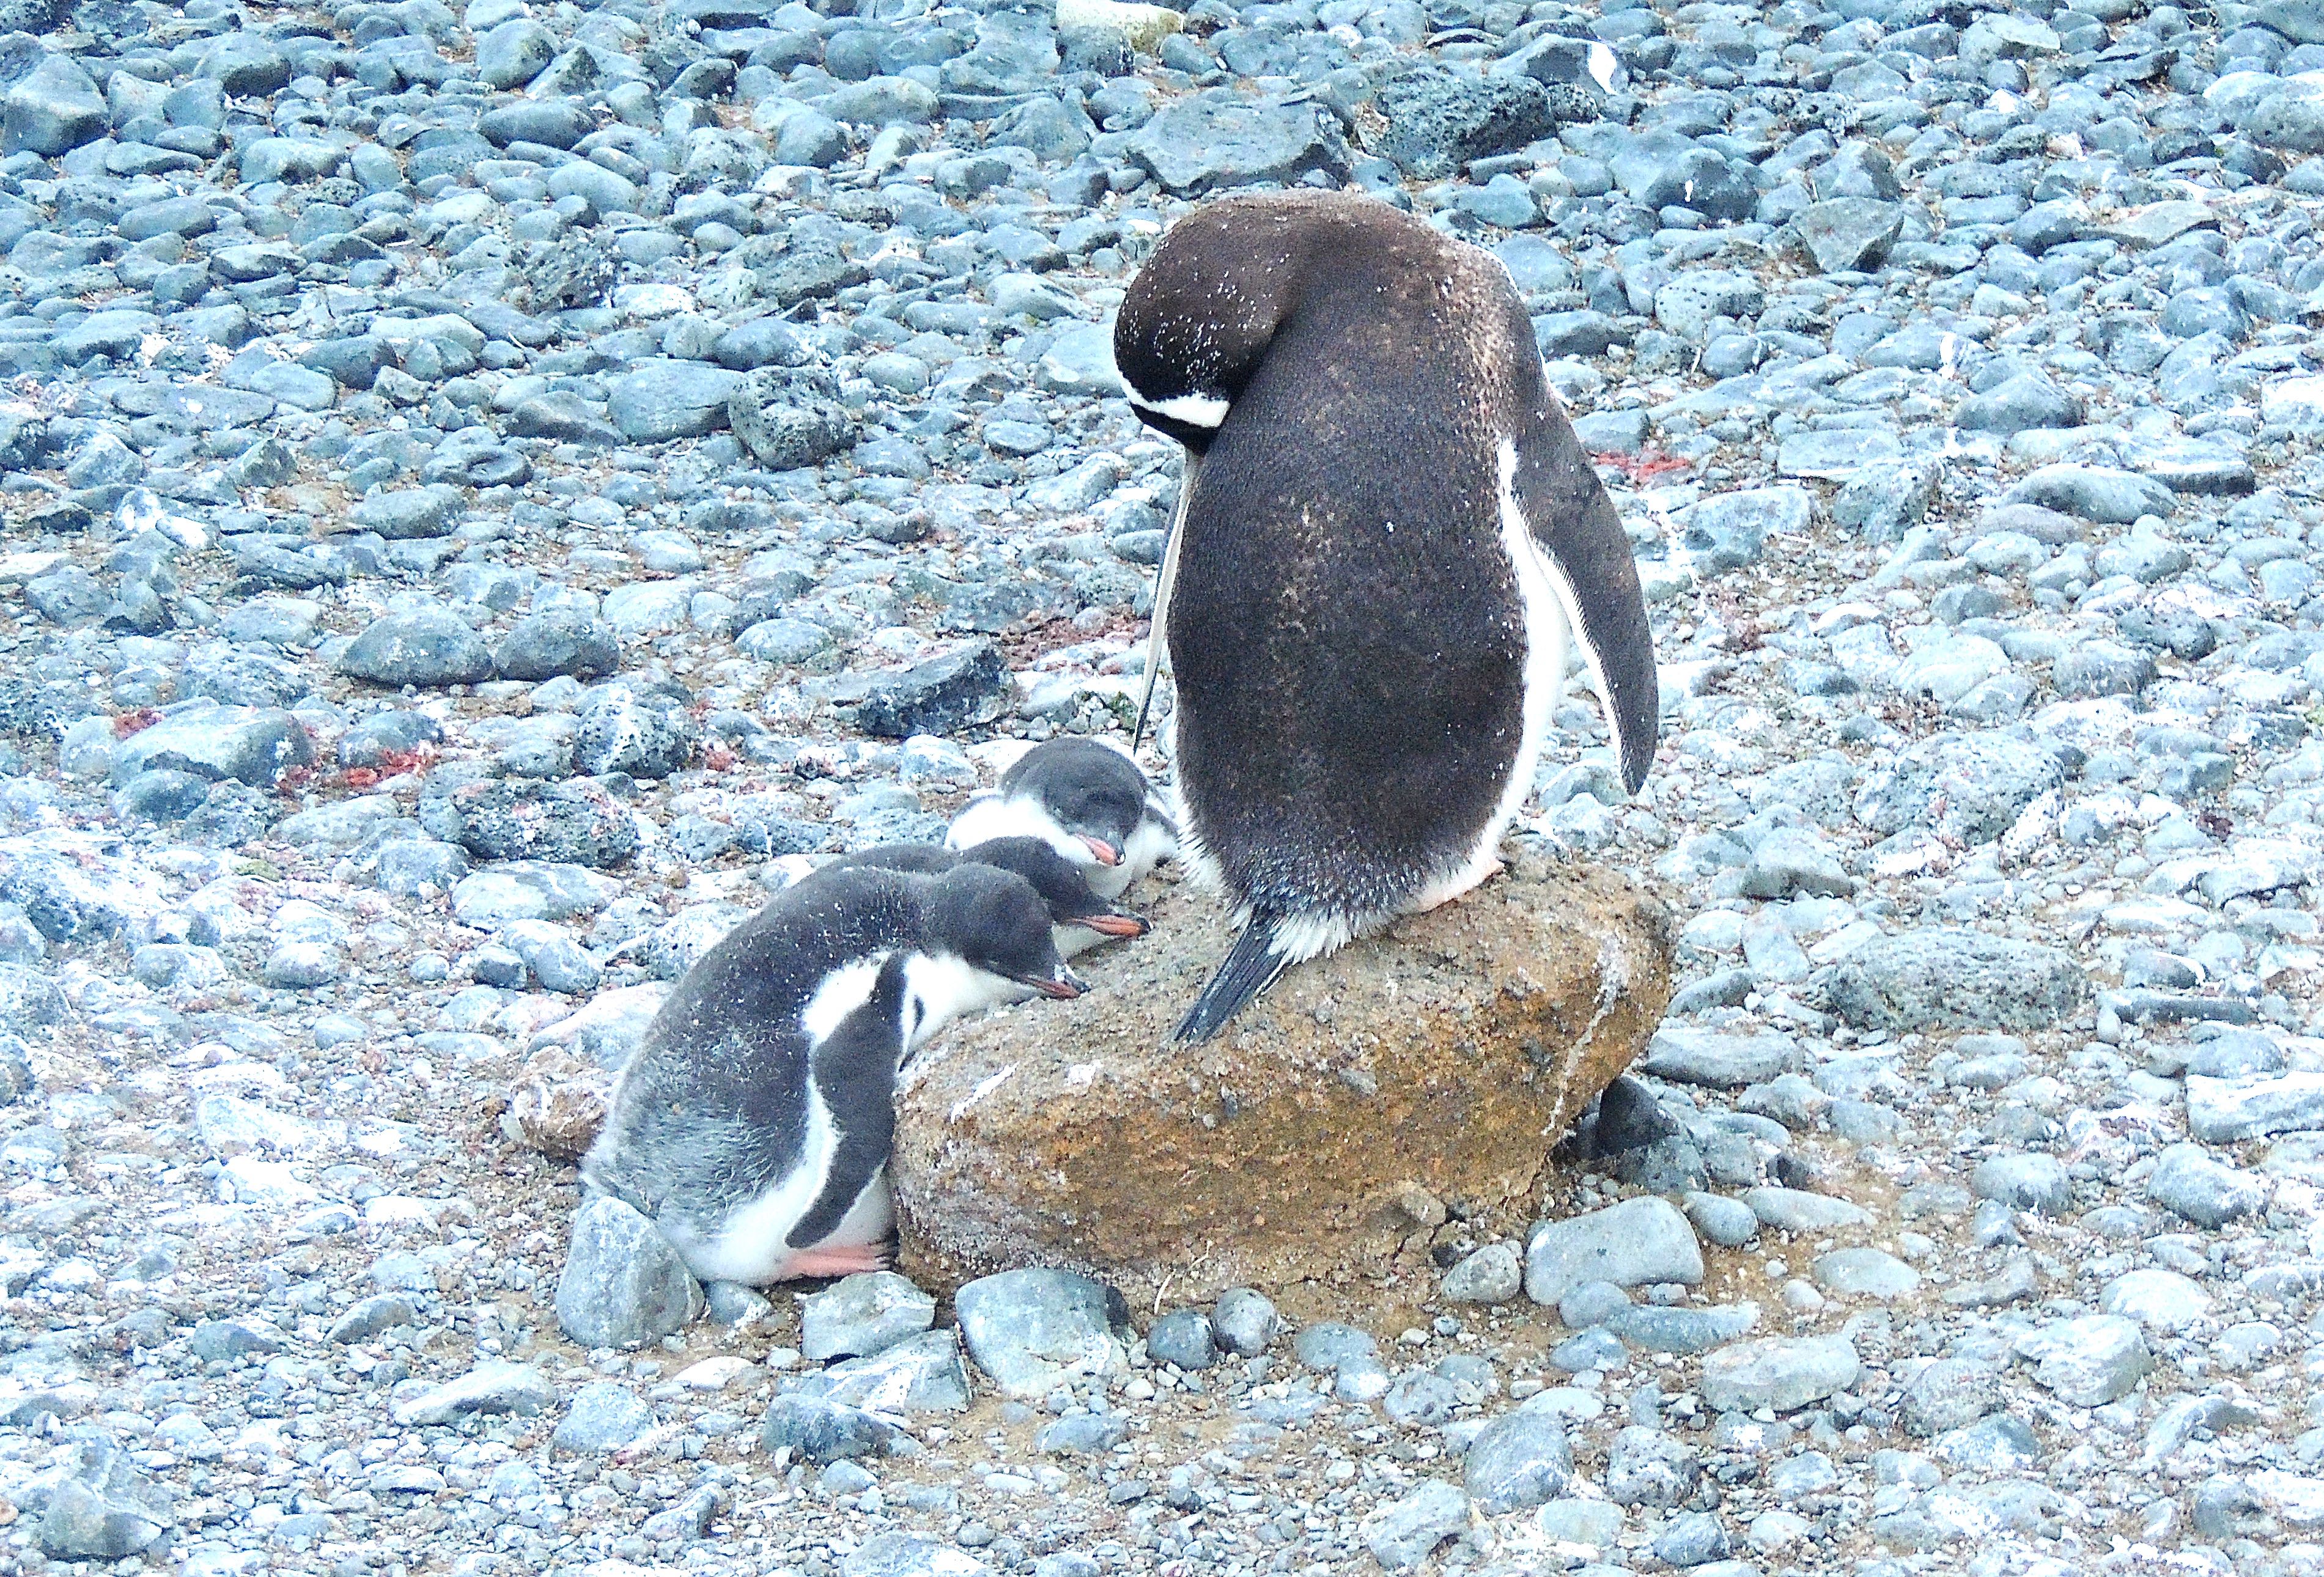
point(1251, 968)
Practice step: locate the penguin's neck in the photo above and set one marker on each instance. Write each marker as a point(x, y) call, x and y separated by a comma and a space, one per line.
point(996, 815)
point(1149, 845)
point(840, 993)
point(939, 987)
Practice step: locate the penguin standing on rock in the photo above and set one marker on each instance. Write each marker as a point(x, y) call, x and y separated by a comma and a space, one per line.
point(754, 1123)
point(1387, 534)
point(1087, 801)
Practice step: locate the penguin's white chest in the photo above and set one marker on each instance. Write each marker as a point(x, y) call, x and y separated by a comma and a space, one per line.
point(1543, 603)
point(750, 1245)
point(1549, 635)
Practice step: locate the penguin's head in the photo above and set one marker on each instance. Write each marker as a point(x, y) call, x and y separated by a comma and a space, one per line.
point(1198, 320)
point(1092, 797)
point(996, 923)
point(1060, 883)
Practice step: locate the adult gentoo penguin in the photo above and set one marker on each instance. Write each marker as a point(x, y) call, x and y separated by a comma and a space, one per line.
point(1387, 535)
point(1087, 801)
point(755, 1121)
point(1079, 919)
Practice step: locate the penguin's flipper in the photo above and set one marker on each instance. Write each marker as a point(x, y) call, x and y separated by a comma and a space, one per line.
point(855, 1073)
point(1156, 635)
point(1251, 967)
point(1547, 480)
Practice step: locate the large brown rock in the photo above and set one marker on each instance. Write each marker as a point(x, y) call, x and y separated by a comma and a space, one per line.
point(1327, 1131)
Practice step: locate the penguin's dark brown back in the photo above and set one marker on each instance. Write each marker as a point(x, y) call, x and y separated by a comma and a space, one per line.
point(1366, 410)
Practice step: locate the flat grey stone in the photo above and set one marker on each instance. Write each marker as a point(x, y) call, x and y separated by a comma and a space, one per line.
point(862, 1314)
point(1850, 234)
point(601, 1418)
point(1838, 453)
point(659, 401)
point(1730, 530)
point(1952, 977)
point(101, 1505)
point(1971, 787)
point(2017, 404)
point(2189, 1182)
point(2188, 465)
point(1520, 1460)
point(1081, 1435)
point(1692, 301)
point(1594, 1523)
point(1211, 141)
point(2226, 1111)
point(1331, 1345)
point(2025, 1182)
point(1796, 1210)
point(1782, 1372)
point(1729, 1222)
point(622, 1284)
point(941, 696)
point(1493, 1274)
point(1630, 1244)
point(557, 640)
point(1030, 1330)
point(1789, 861)
point(1403, 1533)
point(2088, 1360)
point(1650, 1328)
point(381, 1312)
point(429, 647)
point(492, 1387)
point(1720, 1059)
point(919, 1374)
point(1865, 1273)
point(1692, 1539)
point(2162, 1301)
point(1949, 1394)
point(51, 109)
point(818, 1430)
point(2094, 492)
point(245, 744)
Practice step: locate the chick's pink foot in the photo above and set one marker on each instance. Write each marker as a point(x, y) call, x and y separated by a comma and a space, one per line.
point(836, 1259)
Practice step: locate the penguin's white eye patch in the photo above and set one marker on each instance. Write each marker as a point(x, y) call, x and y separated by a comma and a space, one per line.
point(1195, 410)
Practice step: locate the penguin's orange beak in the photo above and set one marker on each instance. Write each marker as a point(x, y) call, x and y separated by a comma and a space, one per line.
point(1107, 855)
point(1115, 924)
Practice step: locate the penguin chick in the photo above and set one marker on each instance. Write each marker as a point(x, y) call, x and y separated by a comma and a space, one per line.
point(754, 1123)
point(1080, 918)
point(1087, 801)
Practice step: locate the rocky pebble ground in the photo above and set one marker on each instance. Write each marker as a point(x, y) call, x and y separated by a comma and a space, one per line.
point(487, 490)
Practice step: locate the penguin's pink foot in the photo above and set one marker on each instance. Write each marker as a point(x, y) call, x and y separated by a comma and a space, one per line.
point(836, 1259)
